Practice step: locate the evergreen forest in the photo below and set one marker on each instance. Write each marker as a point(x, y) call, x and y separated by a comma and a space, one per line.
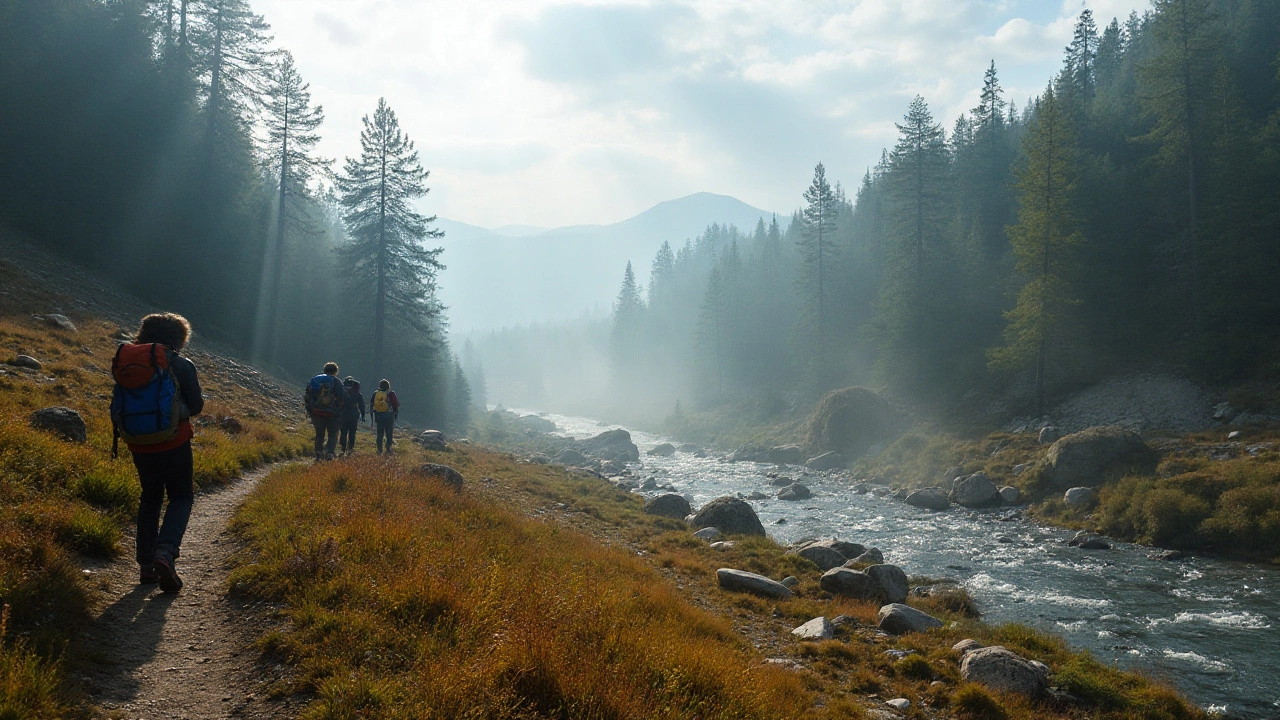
point(168, 144)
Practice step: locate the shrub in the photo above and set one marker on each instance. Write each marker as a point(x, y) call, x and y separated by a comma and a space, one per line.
point(973, 702)
point(1171, 517)
point(914, 667)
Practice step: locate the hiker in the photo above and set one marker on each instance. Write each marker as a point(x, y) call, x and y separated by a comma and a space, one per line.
point(386, 410)
point(151, 375)
point(324, 400)
point(352, 414)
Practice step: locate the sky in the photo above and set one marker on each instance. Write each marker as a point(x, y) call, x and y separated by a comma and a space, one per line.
point(552, 113)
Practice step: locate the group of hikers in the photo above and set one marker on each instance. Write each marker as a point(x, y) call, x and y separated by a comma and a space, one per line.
point(157, 392)
point(337, 408)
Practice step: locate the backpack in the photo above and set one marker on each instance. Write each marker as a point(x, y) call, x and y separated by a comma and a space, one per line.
point(146, 404)
point(322, 394)
point(381, 401)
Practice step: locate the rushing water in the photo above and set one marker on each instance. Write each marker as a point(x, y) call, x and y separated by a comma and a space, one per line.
point(1211, 628)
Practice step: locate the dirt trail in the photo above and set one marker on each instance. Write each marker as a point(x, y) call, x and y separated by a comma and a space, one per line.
point(188, 655)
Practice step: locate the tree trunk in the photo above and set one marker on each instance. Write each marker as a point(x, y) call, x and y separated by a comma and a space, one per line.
point(1193, 231)
point(277, 261)
point(215, 91)
point(380, 299)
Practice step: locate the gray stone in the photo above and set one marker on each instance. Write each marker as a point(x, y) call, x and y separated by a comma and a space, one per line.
point(60, 321)
point(824, 557)
point(1170, 555)
point(731, 515)
point(1224, 412)
point(537, 424)
point(818, 628)
point(1078, 497)
point(785, 455)
point(967, 645)
point(898, 619)
point(825, 461)
point(62, 421)
point(1000, 669)
point(898, 704)
point(569, 456)
point(652, 484)
point(872, 556)
point(1233, 435)
point(791, 581)
point(892, 580)
point(611, 445)
point(689, 448)
point(1019, 469)
point(707, 533)
point(845, 548)
point(757, 495)
point(929, 499)
point(663, 450)
point(431, 440)
point(975, 491)
point(952, 473)
point(1094, 543)
point(780, 481)
point(443, 473)
point(743, 581)
point(1049, 435)
point(1090, 456)
point(850, 583)
point(669, 505)
point(1010, 495)
point(722, 545)
point(795, 491)
point(26, 361)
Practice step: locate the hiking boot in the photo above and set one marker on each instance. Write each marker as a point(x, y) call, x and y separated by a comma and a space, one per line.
point(169, 580)
point(147, 575)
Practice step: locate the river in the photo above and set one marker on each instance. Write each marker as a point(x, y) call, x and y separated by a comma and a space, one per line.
point(1211, 628)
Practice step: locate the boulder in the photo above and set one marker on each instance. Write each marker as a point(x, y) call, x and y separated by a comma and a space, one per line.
point(824, 557)
point(1049, 435)
point(757, 495)
point(967, 645)
point(743, 581)
point(731, 515)
point(1078, 497)
point(1169, 555)
point(611, 445)
point(652, 484)
point(689, 448)
point(952, 473)
point(898, 619)
point(431, 440)
point(1000, 669)
point(1010, 495)
point(722, 545)
point(818, 628)
point(785, 455)
point(1094, 543)
point(537, 424)
point(749, 453)
point(928, 499)
point(975, 491)
point(872, 556)
point(569, 456)
point(826, 461)
point(663, 450)
point(443, 473)
point(28, 362)
point(795, 491)
point(60, 321)
point(1224, 412)
point(851, 421)
point(899, 704)
point(62, 421)
point(707, 533)
point(669, 505)
point(892, 580)
point(791, 581)
point(1090, 456)
point(845, 548)
point(780, 481)
point(850, 583)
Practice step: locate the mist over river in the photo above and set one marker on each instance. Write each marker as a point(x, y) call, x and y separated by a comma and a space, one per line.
point(1211, 628)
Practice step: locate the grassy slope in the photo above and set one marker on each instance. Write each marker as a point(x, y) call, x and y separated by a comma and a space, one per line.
point(60, 500)
point(541, 592)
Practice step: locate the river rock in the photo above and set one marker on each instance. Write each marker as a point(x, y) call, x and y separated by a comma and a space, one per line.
point(1087, 457)
point(967, 645)
point(537, 423)
point(791, 581)
point(1170, 555)
point(62, 421)
point(743, 581)
point(929, 499)
point(975, 491)
point(60, 321)
point(663, 450)
point(689, 448)
point(571, 457)
point(825, 461)
point(844, 547)
point(780, 481)
point(731, 515)
point(952, 473)
point(824, 557)
point(443, 473)
point(1094, 543)
point(28, 362)
point(1000, 669)
point(749, 453)
point(794, 491)
point(785, 455)
point(611, 445)
point(898, 619)
point(871, 556)
point(892, 580)
point(1049, 435)
point(1010, 495)
point(1078, 497)
point(818, 628)
point(669, 505)
point(706, 533)
point(850, 583)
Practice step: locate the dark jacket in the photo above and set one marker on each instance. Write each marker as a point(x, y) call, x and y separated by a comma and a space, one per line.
point(354, 405)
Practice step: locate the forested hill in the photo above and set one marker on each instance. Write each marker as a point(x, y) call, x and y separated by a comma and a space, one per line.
point(171, 146)
point(1127, 217)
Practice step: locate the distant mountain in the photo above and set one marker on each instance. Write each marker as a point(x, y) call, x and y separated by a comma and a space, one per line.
point(522, 274)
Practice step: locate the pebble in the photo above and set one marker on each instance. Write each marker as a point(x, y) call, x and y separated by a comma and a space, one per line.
point(898, 703)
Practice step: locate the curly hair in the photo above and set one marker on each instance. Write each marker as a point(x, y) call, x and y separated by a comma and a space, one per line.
point(165, 328)
point(331, 368)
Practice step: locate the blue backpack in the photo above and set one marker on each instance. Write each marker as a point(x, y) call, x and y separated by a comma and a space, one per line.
point(324, 394)
point(146, 405)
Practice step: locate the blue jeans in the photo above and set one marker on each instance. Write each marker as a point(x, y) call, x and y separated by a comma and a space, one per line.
point(163, 473)
point(322, 425)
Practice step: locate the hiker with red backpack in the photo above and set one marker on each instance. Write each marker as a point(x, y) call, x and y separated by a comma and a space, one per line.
point(352, 415)
point(324, 398)
point(157, 392)
point(386, 410)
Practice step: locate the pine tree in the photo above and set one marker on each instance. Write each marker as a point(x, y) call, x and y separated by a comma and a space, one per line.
point(1082, 56)
point(661, 273)
point(712, 331)
point(818, 270)
point(1044, 241)
point(291, 125)
point(232, 60)
point(459, 411)
point(919, 167)
point(626, 333)
point(387, 263)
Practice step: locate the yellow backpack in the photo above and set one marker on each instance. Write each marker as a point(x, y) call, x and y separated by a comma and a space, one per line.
point(380, 402)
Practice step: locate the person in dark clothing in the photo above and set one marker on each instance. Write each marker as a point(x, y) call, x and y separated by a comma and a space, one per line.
point(386, 410)
point(166, 468)
point(352, 415)
point(324, 398)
